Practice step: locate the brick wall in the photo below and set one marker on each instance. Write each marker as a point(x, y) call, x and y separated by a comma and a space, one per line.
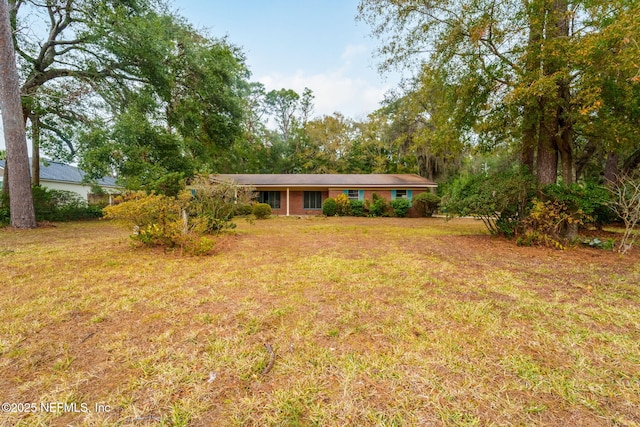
point(296, 200)
point(368, 195)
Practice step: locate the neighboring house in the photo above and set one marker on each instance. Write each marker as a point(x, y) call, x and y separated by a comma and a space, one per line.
point(303, 194)
point(60, 176)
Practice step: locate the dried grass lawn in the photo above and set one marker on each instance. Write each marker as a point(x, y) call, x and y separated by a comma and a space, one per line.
point(374, 322)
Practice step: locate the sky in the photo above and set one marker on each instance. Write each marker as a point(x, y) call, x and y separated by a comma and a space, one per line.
point(294, 44)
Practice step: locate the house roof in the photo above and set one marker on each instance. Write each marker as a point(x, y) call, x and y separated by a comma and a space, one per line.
point(61, 172)
point(374, 180)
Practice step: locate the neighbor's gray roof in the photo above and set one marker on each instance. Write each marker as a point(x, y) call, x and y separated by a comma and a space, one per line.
point(60, 172)
point(373, 180)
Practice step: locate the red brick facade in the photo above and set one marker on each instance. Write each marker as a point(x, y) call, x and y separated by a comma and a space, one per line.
point(296, 199)
point(296, 203)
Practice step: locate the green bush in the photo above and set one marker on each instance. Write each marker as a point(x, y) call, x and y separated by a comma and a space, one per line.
point(243, 209)
point(426, 204)
point(170, 184)
point(547, 223)
point(343, 205)
point(261, 210)
point(60, 205)
point(378, 206)
point(357, 207)
point(161, 220)
point(5, 217)
point(501, 200)
point(329, 207)
point(591, 200)
point(400, 207)
point(181, 221)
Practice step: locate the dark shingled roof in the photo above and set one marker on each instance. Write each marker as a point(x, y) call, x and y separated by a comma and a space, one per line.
point(374, 180)
point(60, 172)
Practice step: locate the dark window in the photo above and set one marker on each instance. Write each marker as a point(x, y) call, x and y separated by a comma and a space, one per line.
point(401, 194)
point(313, 199)
point(353, 194)
point(272, 198)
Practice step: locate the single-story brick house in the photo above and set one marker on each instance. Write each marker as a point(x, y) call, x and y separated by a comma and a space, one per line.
point(303, 194)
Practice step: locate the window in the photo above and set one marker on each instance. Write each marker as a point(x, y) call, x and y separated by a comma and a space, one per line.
point(313, 199)
point(401, 194)
point(353, 194)
point(272, 198)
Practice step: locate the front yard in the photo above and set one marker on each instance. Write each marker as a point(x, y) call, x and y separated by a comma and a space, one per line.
point(385, 322)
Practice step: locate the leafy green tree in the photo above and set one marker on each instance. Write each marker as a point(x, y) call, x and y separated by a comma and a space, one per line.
point(524, 73)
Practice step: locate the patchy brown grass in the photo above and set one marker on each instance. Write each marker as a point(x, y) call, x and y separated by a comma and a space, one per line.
point(386, 322)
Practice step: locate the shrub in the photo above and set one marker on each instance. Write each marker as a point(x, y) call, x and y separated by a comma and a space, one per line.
point(329, 207)
point(400, 207)
point(243, 209)
point(213, 205)
point(501, 199)
point(60, 205)
point(5, 217)
point(170, 184)
point(547, 222)
point(426, 204)
point(161, 220)
point(357, 207)
point(378, 206)
point(591, 199)
point(181, 221)
point(261, 210)
point(343, 205)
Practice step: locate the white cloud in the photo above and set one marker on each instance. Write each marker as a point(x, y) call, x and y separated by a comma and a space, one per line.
point(353, 51)
point(335, 91)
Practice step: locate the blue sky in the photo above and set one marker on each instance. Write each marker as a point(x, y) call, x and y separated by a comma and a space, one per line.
point(295, 44)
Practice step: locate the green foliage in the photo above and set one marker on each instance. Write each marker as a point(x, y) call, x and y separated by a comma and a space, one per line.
point(170, 184)
point(501, 199)
point(343, 205)
point(161, 220)
point(592, 200)
point(213, 204)
point(607, 245)
point(242, 209)
point(426, 203)
point(329, 207)
point(181, 221)
point(377, 207)
point(5, 215)
point(400, 207)
point(261, 210)
point(357, 207)
point(547, 223)
point(60, 205)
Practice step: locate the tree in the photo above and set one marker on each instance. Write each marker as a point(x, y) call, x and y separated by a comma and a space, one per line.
point(536, 83)
point(282, 105)
point(100, 64)
point(17, 162)
point(626, 203)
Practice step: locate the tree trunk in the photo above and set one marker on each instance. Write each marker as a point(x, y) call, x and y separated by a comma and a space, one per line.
point(531, 114)
point(611, 169)
point(547, 160)
point(529, 138)
point(35, 151)
point(20, 197)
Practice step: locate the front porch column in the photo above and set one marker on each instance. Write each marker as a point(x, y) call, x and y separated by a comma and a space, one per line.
point(287, 201)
